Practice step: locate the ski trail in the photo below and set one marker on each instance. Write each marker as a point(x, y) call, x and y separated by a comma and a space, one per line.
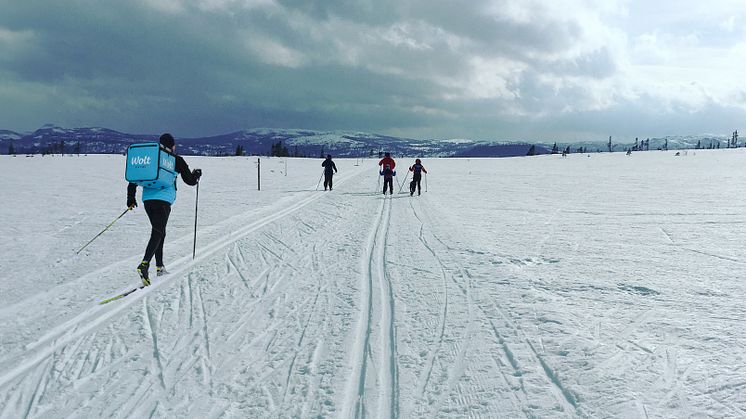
point(566, 399)
point(427, 372)
point(354, 404)
point(232, 264)
point(208, 368)
point(36, 392)
point(387, 373)
point(565, 396)
point(94, 317)
point(299, 344)
point(152, 325)
point(455, 371)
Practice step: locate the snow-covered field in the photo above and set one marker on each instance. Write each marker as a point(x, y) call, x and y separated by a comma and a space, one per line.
point(587, 286)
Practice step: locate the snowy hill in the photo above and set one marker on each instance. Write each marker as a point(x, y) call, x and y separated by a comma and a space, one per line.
point(6, 137)
point(91, 140)
point(9, 135)
point(588, 286)
point(309, 143)
point(258, 142)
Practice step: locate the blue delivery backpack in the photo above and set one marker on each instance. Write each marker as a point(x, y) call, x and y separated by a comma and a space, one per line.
point(150, 166)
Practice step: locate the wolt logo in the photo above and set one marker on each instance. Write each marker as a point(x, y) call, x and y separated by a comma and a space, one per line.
point(167, 163)
point(140, 160)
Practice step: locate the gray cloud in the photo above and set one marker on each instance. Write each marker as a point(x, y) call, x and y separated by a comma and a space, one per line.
point(418, 68)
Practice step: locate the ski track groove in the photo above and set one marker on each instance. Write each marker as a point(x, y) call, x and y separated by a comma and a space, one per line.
point(278, 257)
point(389, 324)
point(206, 335)
point(299, 344)
point(278, 241)
point(355, 398)
point(313, 368)
point(458, 368)
point(434, 355)
point(35, 394)
point(231, 263)
point(456, 371)
point(152, 326)
point(714, 256)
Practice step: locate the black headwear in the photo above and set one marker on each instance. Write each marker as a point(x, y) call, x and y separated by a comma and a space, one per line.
point(167, 140)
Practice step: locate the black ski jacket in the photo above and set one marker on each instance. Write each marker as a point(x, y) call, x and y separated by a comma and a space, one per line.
point(328, 166)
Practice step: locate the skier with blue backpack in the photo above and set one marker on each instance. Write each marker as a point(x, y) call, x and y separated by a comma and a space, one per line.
point(157, 198)
point(388, 179)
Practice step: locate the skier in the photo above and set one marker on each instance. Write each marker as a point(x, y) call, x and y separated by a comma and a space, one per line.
point(388, 179)
point(417, 170)
point(387, 160)
point(329, 169)
point(157, 203)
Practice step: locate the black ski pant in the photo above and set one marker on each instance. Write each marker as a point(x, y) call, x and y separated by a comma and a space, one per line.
point(328, 180)
point(158, 212)
point(416, 179)
point(390, 183)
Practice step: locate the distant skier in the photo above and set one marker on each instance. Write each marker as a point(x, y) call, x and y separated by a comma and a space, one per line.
point(387, 160)
point(417, 169)
point(157, 203)
point(329, 170)
point(388, 179)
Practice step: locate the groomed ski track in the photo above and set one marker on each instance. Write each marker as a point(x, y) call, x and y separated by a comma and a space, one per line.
point(349, 304)
point(261, 324)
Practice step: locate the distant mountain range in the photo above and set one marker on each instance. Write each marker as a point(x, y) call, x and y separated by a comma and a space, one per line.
point(260, 141)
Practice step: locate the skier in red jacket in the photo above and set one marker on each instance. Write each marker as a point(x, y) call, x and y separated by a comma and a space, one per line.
point(387, 160)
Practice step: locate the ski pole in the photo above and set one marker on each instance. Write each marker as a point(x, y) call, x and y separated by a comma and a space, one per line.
point(397, 183)
point(319, 182)
point(102, 231)
point(196, 202)
point(404, 183)
point(378, 188)
point(425, 182)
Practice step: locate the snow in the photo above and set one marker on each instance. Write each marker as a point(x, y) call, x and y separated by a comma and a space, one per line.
point(599, 285)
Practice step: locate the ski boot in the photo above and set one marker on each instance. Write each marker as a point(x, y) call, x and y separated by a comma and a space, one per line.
point(142, 270)
point(160, 271)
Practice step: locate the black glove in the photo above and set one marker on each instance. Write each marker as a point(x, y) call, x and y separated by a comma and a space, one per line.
point(197, 173)
point(131, 202)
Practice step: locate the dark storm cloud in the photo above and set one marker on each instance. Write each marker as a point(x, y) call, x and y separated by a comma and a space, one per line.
point(421, 68)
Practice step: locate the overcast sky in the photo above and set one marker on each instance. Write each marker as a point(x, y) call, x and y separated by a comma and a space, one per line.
point(502, 69)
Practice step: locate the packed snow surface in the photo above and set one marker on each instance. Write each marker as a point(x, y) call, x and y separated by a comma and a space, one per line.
point(598, 285)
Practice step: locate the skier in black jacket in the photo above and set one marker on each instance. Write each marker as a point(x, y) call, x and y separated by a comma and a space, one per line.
point(157, 203)
point(329, 169)
point(417, 169)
